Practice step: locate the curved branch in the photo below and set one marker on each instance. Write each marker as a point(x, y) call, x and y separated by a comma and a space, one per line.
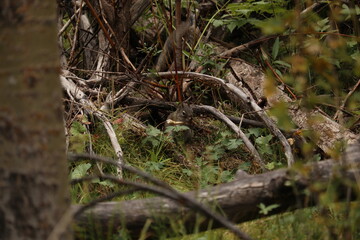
point(222, 117)
point(245, 98)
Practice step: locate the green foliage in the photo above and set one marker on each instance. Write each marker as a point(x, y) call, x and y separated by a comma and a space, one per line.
point(298, 225)
point(154, 136)
point(279, 110)
point(80, 170)
point(261, 142)
point(250, 12)
point(224, 143)
point(79, 137)
point(314, 64)
point(266, 209)
point(210, 64)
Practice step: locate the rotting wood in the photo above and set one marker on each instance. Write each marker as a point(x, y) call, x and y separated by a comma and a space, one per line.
point(329, 132)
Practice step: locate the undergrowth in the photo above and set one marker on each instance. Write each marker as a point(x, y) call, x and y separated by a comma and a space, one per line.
point(306, 56)
point(206, 161)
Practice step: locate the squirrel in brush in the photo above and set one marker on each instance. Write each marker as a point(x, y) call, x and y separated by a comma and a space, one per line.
point(181, 117)
point(188, 30)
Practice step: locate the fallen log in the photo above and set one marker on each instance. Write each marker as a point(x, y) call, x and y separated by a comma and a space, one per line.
point(237, 200)
point(329, 132)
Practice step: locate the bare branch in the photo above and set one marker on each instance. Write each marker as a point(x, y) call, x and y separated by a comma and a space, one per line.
point(89, 106)
point(222, 117)
point(245, 98)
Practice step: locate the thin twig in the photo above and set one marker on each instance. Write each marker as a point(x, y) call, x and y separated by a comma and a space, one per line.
point(68, 23)
point(72, 52)
point(351, 92)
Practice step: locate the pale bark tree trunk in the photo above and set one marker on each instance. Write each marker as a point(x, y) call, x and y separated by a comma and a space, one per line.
point(33, 171)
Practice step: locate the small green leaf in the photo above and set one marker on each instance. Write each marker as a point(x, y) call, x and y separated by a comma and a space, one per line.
point(188, 172)
point(233, 144)
point(231, 26)
point(105, 183)
point(270, 165)
point(282, 63)
point(218, 23)
point(77, 128)
point(245, 166)
point(153, 131)
point(266, 209)
point(80, 170)
point(275, 48)
point(263, 142)
point(255, 131)
point(178, 128)
point(226, 176)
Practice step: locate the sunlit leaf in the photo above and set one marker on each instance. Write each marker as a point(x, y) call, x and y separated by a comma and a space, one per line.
point(80, 170)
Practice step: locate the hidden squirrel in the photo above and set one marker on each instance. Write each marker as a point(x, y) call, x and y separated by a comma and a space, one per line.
point(186, 29)
point(181, 117)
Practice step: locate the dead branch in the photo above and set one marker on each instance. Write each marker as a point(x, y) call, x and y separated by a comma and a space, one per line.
point(163, 189)
point(246, 98)
point(237, 200)
point(140, 102)
point(222, 117)
point(338, 113)
point(90, 107)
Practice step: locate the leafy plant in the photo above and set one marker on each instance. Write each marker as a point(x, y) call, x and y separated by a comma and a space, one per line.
point(80, 170)
point(78, 137)
point(250, 12)
point(266, 209)
point(223, 144)
point(206, 59)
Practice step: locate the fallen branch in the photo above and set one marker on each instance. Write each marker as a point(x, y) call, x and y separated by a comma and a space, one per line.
point(89, 106)
point(248, 99)
point(237, 200)
point(222, 117)
point(149, 103)
point(160, 188)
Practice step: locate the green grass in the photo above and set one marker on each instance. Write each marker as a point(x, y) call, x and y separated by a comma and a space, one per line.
point(203, 164)
point(303, 224)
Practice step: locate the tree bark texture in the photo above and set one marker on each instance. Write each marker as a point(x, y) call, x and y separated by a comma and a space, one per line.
point(33, 170)
point(238, 200)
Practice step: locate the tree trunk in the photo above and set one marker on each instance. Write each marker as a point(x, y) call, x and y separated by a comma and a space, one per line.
point(238, 200)
point(33, 171)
